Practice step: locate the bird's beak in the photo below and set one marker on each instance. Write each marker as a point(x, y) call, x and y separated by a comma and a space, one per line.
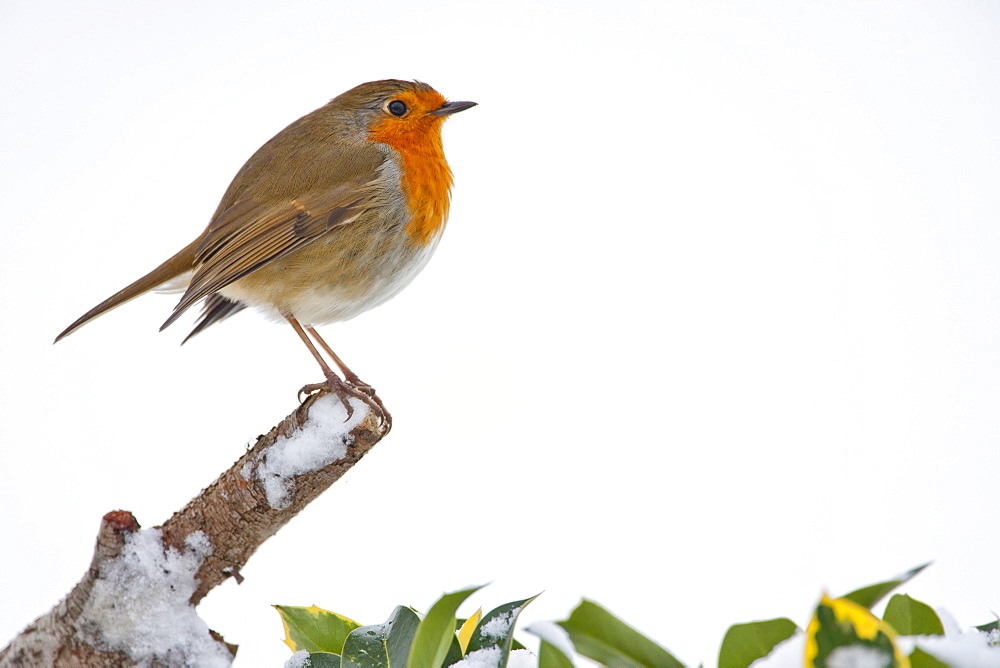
point(449, 108)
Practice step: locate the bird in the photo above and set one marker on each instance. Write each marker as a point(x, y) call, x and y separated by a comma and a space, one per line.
point(333, 216)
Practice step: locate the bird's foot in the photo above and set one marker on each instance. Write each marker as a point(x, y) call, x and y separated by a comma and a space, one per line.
point(356, 383)
point(360, 385)
point(347, 389)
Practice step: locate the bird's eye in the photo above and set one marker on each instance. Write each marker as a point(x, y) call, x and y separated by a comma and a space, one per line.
point(397, 108)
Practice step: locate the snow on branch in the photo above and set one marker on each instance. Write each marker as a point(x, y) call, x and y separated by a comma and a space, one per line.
point(136, 602)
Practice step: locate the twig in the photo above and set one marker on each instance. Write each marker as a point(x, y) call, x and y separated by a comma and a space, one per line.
point(113, 617)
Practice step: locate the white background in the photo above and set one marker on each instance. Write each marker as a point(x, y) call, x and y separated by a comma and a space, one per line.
point(715, 324)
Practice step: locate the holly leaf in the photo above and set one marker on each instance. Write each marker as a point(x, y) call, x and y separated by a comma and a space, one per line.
point(436, 633)
point(745, 643)
point(599, 635)
point(910, 617)
point(314, 629)
point(872, 594)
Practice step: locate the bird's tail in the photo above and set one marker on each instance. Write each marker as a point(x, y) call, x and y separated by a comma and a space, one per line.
point(182, 262)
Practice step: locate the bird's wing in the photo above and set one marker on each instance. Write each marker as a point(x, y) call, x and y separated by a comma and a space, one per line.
point(250, 234)
point(215, 308)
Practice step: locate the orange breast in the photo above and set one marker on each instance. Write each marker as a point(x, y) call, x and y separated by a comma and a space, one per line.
point(426, 176)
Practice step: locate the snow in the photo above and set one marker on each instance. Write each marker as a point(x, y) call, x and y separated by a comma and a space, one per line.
point(489, 657)
point(322, 440)
point(299, 660)
point(961, 649)
point(957, 647)
point(521, 658)
point(499, 625)
point(786, 654)
point(556, 636)
point(859, 657)
point(139, 604)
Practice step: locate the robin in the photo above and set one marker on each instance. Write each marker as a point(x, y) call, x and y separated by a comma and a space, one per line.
point(333, 216)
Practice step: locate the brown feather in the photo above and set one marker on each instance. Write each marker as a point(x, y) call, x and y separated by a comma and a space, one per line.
point(303, 182)
point(181, 262)
point(215, 309)
point(250, 235)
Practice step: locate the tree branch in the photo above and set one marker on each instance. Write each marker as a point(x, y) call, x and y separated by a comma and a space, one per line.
point(142, 586)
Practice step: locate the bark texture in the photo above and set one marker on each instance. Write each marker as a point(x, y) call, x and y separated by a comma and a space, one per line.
point(233, 512)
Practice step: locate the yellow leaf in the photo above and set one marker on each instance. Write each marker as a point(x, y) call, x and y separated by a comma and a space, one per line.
point(852, 625)
point(465, 633)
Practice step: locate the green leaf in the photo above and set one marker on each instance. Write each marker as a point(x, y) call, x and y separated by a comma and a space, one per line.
point(992, 626)
point(454, 654)
point(599, 635)
point(745, 643)
point(314, 629)
point(910, 617)
point(382, 645)
point(365, 648)
point(872, 594)
point(921, 659)
point(404, 622)
point(553, 639)
point(496, 629)
point(324, 660)
point(436, 632)
point(550, 656)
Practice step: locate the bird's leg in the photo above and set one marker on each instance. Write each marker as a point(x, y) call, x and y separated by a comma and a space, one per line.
point(333, 381)
point(349, 376)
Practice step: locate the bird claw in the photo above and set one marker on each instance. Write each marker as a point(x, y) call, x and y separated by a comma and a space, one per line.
point(364, 387)
point(346, 390)
point(308, 390)
point(373, 399)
